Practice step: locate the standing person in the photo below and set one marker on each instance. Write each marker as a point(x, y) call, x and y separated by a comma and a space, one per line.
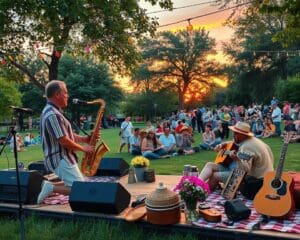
point(225, 119)
point(200, 125)
point(59, 142)
point(126, 133)
point(276, 118)
point(259, 157)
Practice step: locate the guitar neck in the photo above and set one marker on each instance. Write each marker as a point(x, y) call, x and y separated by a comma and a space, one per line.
point(281, 161)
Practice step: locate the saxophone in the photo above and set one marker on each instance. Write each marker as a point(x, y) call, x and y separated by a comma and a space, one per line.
point(90, 162)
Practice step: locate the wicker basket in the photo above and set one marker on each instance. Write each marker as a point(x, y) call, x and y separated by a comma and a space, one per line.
point(163, 206)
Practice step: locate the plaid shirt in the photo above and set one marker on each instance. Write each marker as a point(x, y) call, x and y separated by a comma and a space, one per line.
point(54, 126)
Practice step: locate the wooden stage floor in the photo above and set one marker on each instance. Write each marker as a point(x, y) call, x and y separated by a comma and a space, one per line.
point(136, 189)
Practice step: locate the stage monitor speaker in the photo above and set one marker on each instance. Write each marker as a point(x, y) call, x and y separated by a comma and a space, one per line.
point(112, 167)
point(38, 166)
point(30, 182)
point(99, 197)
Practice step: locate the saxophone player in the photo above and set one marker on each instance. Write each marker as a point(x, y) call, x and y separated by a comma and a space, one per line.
point(59, 142)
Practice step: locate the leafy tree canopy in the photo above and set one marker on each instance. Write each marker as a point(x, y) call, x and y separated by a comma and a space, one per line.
point(89, 81)
point(9, 96)
point(48, 28)
point(178, 60)
point(288, 10)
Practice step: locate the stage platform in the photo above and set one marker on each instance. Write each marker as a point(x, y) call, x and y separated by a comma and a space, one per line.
point(212, 231)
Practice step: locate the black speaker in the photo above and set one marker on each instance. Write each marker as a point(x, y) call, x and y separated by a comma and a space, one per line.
point(38, 166)
point(112, 167)
point(100, 197)
point(30, 182)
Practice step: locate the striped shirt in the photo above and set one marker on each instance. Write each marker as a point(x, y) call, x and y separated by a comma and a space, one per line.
point(54, 126)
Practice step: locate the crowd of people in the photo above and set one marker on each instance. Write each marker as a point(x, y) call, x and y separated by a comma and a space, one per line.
point(172, 136)
point(175, 134)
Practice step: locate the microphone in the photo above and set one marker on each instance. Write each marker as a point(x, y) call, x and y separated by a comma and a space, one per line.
point(19, 109)
point(79, 102)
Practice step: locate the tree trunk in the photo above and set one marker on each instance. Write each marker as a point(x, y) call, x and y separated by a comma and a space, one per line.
point(53, 67)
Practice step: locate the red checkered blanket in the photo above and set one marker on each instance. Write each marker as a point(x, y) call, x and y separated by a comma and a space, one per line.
point(56, 198)
point(216, 201)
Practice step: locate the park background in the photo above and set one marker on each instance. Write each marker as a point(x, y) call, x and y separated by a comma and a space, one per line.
point(101, 53)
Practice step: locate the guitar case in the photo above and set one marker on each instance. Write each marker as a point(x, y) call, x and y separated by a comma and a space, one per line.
point(296, 193)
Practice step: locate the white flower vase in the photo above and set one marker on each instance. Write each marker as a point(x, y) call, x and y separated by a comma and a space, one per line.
point(139, 173)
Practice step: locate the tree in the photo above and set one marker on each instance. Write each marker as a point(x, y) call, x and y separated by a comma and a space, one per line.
point(9, 96)
point(152, 104)
point(258, 61)
point(32, 97)
point(180, 59)
point(288, 90)
point(89, 81)
point(45, 29)
point(289, 10)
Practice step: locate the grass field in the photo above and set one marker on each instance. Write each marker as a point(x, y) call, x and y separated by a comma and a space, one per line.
point(173, 165)
point(37, 228)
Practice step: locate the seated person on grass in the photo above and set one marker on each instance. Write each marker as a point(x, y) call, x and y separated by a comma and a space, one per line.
point(168, 140)
point(209, 140)
point(185, 141)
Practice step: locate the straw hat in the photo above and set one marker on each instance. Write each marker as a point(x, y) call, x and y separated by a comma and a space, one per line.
point(144, 130)
point(185, 128)
point(242, 128)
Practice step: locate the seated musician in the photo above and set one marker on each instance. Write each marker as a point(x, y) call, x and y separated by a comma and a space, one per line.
point(253, 156)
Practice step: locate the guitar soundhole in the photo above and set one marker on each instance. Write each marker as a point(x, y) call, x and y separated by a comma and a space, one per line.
point(276, 183)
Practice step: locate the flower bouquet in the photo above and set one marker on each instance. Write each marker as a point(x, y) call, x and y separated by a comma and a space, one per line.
point(191, 190)
point(140, 163)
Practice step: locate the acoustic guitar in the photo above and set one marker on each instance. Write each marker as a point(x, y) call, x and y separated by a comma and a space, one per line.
point(223, 155)
point(275, 198)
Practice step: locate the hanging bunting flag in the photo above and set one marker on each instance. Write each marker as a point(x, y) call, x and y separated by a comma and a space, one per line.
point(131, 40)
point(88, 49)
point(57, 54)
point(10, 58)
point(20, 58)
point(41, 56)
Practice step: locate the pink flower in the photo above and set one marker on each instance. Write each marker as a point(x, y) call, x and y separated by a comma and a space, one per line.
point(193, 180)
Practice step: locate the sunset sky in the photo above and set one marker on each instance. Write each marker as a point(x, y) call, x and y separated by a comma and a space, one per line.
point(212, 23)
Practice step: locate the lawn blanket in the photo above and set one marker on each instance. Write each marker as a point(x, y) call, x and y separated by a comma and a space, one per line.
point(56, 198)
point(216, 201)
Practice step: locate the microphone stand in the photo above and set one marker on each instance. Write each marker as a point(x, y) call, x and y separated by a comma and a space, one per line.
point(12, 133)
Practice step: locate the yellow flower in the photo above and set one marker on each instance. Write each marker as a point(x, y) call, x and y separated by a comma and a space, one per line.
point(140, 161)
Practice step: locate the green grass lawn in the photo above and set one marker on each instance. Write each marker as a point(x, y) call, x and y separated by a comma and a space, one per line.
point(173, 165)
point(37, 228)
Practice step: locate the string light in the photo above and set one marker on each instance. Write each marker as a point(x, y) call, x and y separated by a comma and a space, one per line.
point(206, 14)
point(189, 27)
point(131, 40)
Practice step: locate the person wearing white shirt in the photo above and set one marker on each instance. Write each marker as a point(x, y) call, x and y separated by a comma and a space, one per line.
point(168, 140)
point(126, 133)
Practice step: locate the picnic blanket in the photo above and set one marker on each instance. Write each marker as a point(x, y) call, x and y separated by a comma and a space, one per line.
point(216, 201)
point(56, 198)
